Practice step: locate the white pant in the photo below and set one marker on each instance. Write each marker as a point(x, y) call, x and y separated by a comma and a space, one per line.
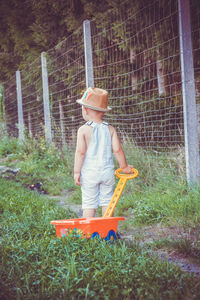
point(97, 187)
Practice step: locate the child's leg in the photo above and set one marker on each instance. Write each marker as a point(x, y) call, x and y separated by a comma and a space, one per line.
point(90, 194)
point(106, 191)
point(89, 213)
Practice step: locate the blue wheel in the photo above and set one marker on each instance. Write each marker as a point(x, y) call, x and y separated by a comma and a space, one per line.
point(111, 236)
point(95, 235)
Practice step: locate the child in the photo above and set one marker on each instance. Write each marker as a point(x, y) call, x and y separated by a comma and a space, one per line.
point(93, 165)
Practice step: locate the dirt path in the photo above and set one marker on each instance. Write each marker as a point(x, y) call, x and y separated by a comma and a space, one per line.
point(149, 234)
point(62, 200)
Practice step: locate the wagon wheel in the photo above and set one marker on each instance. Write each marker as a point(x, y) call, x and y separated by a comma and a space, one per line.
point(111, 236)
point(95, 235)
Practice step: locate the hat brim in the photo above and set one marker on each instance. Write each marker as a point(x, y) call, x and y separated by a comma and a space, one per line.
point(79, 101)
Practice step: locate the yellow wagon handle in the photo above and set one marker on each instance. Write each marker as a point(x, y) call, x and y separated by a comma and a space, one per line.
point(118, 190)
point(127, 176)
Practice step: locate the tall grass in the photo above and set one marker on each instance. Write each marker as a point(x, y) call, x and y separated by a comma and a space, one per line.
point(37, 265)
point(159, 193)
point(39, 162)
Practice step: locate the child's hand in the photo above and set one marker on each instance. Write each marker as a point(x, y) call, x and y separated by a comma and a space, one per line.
point(77, 178)
point(128, 169)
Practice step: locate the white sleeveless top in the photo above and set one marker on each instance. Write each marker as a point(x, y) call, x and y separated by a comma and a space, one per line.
point(99, 153)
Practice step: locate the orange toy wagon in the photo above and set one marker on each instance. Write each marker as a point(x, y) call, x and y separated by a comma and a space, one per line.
point(104, 227)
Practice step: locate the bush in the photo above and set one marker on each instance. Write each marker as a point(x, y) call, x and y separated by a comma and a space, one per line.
point(10, 146)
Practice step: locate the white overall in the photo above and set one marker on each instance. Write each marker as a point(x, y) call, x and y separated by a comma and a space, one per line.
point(97, 173)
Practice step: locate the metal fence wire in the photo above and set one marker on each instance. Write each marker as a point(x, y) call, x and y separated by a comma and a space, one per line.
point(136, 58)
point(32, 100)
point(66, 73)
point(10, 106)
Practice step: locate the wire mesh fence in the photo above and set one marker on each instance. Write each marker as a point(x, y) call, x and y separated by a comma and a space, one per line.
point(32, 100)
point(136, 58)
point(66, 72)
point(195, 29)
point(10, 106)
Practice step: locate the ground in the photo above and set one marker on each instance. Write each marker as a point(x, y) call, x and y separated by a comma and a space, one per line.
point(147, 235)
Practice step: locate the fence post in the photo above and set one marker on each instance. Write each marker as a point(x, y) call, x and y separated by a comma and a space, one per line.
point(188, 90)
point(62, 125)
point(45, 86)
point(2, 110)
point(19, 106)
point(29, 125)
point(1, 103)
point(73, 132)
point(88, 54)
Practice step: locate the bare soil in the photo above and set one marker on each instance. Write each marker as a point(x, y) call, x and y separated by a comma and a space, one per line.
point(149, 234)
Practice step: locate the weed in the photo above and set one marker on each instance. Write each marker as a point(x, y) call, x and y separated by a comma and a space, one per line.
point(10, 147)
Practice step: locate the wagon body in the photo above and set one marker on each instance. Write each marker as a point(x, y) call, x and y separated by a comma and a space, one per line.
point(104, 227)
point(89, 227)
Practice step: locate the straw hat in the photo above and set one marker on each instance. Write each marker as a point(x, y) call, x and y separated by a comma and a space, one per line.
point(96, 99)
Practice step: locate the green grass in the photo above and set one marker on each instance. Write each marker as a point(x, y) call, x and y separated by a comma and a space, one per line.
point(37, 265)
point(168, 201)
point(39, 162)
point(10, 146)
point(159, 193)
point(187, 246)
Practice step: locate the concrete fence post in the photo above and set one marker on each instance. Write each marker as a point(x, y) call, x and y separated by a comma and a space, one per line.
point(88, 54)
point(3, 111)
point(73, 132)
point(19, 106)
point(45, 86)
point(62, 124)
point(29, 125)
point(188, 91)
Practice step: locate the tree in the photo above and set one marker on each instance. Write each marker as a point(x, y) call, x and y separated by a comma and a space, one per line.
point(28, 27)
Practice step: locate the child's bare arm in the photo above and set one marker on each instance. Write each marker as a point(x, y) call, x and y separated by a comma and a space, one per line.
point(119, 153)
point(79, 155)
